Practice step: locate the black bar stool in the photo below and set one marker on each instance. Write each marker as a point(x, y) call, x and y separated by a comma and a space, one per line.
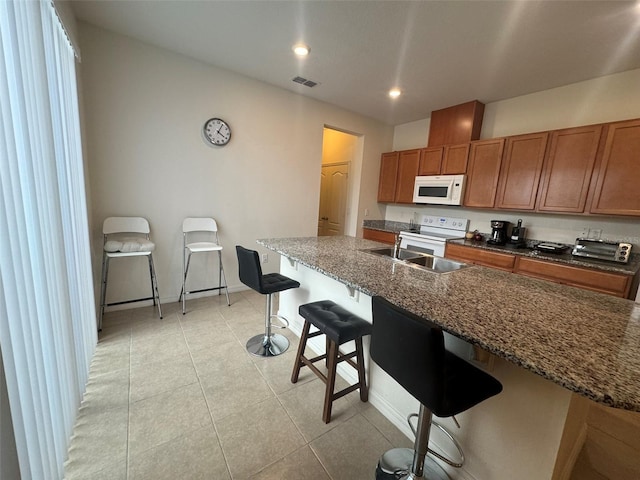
point(267, 344)
point(411, 350)
point(339, 326)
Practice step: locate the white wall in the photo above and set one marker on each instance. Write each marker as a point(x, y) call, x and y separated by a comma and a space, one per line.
point(605, 99)
point(144, 108)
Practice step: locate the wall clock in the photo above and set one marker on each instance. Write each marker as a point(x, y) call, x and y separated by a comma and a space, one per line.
point(217, 132)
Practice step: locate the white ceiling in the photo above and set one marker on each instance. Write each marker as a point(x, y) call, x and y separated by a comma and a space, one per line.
point(439, 53)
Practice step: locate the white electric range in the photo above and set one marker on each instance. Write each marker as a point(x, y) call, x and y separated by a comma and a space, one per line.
point(434, 233)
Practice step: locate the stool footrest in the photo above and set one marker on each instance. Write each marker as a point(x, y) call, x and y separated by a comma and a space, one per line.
point(203, 290)
point(345, 391)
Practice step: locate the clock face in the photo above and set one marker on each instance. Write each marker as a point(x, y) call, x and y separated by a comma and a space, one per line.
point(217, 131)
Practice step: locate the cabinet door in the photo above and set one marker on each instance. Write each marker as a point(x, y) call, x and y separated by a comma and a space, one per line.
point(455, 159)
point(430, 161)
point(408, 163)
point(485, 158)
point(521, 170)
point(616, 284)
point(388, 177)
point(617, 190)
point(479, 256)
point(568, 167)
point(379, 236)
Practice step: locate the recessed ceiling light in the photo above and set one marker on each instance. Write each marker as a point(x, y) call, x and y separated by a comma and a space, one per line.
point(394, 92)
point(301, 50)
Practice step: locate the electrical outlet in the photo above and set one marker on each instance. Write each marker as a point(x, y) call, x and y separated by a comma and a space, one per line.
point(366, 212)
point(265, 258)
point(596, 233)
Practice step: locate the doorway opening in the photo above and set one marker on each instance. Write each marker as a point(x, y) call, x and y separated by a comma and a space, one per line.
point(339, 151)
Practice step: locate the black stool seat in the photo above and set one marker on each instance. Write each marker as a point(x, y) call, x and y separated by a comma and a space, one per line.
point(339, 326)
point(411, 349)
point(274, 282)
point(334, 321)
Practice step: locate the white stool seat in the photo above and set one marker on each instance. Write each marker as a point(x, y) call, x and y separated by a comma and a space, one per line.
point(126, 237)
point(135, 245)
point(203, 247)
point(203, 226)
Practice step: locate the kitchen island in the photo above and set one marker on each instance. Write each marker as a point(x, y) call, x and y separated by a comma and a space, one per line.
point(581, 341)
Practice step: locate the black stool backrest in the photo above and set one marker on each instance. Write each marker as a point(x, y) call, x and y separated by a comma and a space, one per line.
point(249, 268)
point(411, 350)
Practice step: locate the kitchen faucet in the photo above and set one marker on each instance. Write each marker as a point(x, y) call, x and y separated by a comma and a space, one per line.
point(396, 247)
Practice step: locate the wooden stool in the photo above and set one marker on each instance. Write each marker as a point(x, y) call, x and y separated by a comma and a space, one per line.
point(339, 326)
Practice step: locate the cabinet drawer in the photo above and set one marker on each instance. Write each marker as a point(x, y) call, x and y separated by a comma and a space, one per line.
point(606, 282)
point(379, 236)
point(478, 256)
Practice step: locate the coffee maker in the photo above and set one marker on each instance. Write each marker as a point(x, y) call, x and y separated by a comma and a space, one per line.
point(517, 235)
point(498, 232)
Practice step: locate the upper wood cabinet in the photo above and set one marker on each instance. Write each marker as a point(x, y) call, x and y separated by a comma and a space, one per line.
point(388, 177)
point(618, 177)
point(398, 171)
point(568, 168)
point(430, 161)
point(483, 171)
point(521, 170)
point(449, 160)
point(455, 159)
point(455, 125)
point(408, 163)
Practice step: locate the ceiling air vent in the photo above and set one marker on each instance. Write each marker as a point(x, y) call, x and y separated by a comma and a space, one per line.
point(304, 81)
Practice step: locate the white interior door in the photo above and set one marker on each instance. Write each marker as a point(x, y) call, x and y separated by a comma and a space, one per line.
point(333, 199)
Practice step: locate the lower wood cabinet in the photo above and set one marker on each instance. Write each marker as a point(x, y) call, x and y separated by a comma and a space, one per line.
point(379, 236)
point(616, 284)
point(478, 256)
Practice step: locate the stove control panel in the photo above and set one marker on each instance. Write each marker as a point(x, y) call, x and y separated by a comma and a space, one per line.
point(461, 224)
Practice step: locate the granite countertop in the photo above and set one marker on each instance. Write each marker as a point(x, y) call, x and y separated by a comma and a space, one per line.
point(630, 268)
point(585, 341)
point(387, 226)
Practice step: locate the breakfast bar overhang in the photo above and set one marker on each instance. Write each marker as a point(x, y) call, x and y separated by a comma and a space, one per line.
point(547, 341)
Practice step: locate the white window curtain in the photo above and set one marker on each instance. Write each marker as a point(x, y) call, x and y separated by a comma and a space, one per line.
point(47, 311)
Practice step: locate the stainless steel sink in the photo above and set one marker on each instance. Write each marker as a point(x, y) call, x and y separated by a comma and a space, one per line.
point(419, 259)
point(403, 254)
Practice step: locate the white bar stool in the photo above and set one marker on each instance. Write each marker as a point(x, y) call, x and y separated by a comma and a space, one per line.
point(118, 243)
point(193, 225)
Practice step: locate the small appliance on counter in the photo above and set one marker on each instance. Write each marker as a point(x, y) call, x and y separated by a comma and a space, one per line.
point(517, 238)
point(498, 232)
point(549, 247)
point(602, 250)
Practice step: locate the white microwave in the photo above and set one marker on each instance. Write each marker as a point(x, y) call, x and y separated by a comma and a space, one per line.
point(439, 189)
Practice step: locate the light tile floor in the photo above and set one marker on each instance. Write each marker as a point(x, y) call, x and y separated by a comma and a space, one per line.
point(180, 398)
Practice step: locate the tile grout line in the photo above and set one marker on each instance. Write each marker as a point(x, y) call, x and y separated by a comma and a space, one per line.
point(206, 401)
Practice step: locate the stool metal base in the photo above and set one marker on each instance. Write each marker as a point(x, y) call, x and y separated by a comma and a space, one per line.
point(395, 464)
point(267, 346)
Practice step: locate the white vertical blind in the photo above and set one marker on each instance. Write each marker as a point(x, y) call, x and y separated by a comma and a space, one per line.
point(47, 312)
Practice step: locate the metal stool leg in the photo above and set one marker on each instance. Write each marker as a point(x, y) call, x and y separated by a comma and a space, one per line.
point(221, 277)
point(267, 344)
point(103, 290)
point(154, 286)
point(407, 464)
